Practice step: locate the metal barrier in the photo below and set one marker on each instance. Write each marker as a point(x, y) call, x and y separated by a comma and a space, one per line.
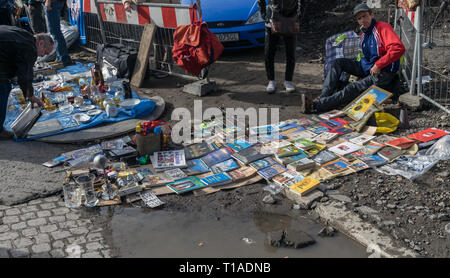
point(123, 27)
point(427, 52)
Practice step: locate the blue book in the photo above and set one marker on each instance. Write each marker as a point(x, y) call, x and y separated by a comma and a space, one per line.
point(290, 159)
point(216, 180)
point(373, 160)
point(185, 185)
point(239, 144)
point(290, 126)
point(272, 171)
point(215, 157)
point(225, 166)
point(196, 166)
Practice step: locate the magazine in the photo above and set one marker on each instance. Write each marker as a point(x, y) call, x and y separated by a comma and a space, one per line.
point(169, 159)
point(272, 171)
point(186, 184)
point(224, 166)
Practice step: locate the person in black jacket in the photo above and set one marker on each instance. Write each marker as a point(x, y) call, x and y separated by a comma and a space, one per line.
point(18, 53)
point(286, 8)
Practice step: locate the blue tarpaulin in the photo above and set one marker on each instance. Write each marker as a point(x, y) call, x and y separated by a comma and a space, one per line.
point(145, 107)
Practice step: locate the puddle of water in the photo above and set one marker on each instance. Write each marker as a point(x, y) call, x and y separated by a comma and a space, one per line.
point(164, 234)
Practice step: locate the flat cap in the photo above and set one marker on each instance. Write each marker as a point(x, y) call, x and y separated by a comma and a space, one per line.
point(361, 8)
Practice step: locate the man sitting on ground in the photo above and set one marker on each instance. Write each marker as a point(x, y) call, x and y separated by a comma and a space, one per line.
point(382, 50)
point(18, 53)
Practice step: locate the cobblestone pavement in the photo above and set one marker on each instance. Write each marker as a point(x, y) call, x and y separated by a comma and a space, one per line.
point(45, 228)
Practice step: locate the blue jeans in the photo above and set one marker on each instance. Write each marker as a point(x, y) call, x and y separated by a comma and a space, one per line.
point(5, 88)
point(54, 26)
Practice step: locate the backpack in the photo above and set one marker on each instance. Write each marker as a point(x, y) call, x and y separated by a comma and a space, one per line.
point(195, 47)
point(118, 55)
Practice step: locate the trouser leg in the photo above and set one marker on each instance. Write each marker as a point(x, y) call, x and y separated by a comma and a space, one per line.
point(5, 88)
point(340, 65)
point(270, 48)
point(36, 17)
point(53, 17)
point(290, 43)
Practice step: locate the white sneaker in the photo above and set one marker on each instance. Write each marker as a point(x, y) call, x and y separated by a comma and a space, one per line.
point(271, 87)
point(289, 86)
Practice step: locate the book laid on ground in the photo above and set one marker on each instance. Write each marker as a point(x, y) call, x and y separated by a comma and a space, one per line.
point(288, 126)
point(267, 138)
point(304, 134)
point(285, 151)
point(325, 137)
point(382, 139)
point(361, 140)
point(324, 157)
point(217, 179)
point(331, 124)
point(240, 144)
point(272, 171)
point(217, 156)
point(242, 173)
point(317, 128)
point(301, 164)
point(336, 166)
point(315, 150)
point(290, 159)
point(250, 154)
point(428, 134)
point(196, 166)
point(332, 114)
point(390, 153)
point(169, 159)
point(175, 174)
point(353, 156)
point(345, 148)
point(373, 160)
point(272, 147)
point(186, 184)
point(264, 129)
point(358, 165)
point(372, 147)
point(287, 178)
point(342, 130)
point(224, 166)
point(303, 144)
point(198, 150)
point(262, 163)
point(305, 186)
point(304, 121)
point(401, 143)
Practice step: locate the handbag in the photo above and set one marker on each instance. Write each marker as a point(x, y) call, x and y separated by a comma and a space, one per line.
point(282, 25)
point(26, 120)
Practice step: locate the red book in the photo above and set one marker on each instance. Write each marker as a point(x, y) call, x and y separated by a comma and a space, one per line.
point(428, 134)
point(401, 143)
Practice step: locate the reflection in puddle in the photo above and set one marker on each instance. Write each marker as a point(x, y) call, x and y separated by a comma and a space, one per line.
point(166, 234)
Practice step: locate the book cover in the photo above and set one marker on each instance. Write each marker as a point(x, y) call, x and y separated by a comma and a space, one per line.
point(301, 164)
point(224, 166)
point(264, 129)
point(390, 153)
point(197, 150)
point(288, 126)
point(382, 139)
point(401, 143)
point(185, 185)
point(289, 150)
point(272, 171)
point(314, 118)
point(428, 134)
point(239, 144)
point(303, 144)
point(373, 160)
point(250, 154)
point(290, 159)
point(341, 121)
point(116, 144)
point(242, 173)
point(304, 121)
point(315, 150)
point(217, 179)
point(336, 166)
point(272, 147)
point(215, 157)
point(196, 166)
point(345, 148)
point(305, 134)
point(332, 114)
point(262, 163)
point(325, 137)
point(331, 124)
point(175, 174)
point(358, 165)
point(317, 128)
point(324, 157)
point(287, 178)
point(305, 186)
point(342, 130)
point(169, 159)
point(353, 156)
point(372, 147)
point(266, 138)
point(362, 139)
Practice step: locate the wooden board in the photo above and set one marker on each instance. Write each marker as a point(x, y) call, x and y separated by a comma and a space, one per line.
point(108, 130)
point(141, 65)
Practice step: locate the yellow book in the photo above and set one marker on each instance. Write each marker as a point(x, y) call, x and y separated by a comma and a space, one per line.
point(305, 185)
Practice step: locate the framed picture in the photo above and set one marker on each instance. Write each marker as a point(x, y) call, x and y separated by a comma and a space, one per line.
point(362, 104)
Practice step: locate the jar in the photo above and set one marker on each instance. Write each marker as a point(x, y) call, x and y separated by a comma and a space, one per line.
point(111, 110)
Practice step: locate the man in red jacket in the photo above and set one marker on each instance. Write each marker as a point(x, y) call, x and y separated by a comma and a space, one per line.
point(382, 50)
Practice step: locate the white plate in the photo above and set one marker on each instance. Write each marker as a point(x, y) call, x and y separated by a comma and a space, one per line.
point(81, 117)
point(94, 112)
point(129, 103)
point(87, 107)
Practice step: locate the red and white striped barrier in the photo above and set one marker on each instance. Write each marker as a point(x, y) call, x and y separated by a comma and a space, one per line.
point(412, 17)
point(162, 15)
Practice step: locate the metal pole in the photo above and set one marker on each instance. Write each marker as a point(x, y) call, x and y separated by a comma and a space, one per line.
point(100, 21)
point(395, 18)
point(419, 45)
point(412, 89)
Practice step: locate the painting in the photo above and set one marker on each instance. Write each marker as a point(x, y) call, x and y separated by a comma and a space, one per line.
point(364, 102)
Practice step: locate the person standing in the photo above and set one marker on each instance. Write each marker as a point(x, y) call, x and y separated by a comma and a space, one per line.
point(277, 9)
point(53, 11)
point(36, 15)
point(7, 12)
point(18, 53)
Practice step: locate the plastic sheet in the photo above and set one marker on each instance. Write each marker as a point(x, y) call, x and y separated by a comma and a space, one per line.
point(441, 149)
point(409, 166)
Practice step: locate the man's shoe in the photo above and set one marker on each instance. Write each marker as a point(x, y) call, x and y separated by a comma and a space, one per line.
point(271, 87)
point(306, 106)
point(289, 86)
point(5, 135)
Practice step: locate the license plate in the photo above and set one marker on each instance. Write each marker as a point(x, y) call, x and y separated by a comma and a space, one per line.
point(227, 37)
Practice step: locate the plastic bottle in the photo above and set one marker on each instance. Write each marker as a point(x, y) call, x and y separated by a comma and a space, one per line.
point(126, 89)
point(138, 128)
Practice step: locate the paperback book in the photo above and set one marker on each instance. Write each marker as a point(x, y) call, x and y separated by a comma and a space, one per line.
point(317, 128)
point(217, 180)
point(224, 166)
point(373, 160)
point(305, 134)
point(390, 153)
point(358, 165)
point(262, 163)
point(325, 137)
point(315, 150)
point(217, 156)
point(305, 186)
point(342, 130)
point(240, 144)
point(353, 156)
point(345, 148)
point(331, 124)
point(242, 173)
point(196, 166)
point(175, 174)
point(428, 134)
point(372, 147)
point(362, 139)
point(289, 150)
point(198, 150)
point(272, 171)
point(303, 144)
point(250, 154)
point(336, 166)
point(301, 164)
point(186, 184)
point(401, 143)
point(290, 159)
point(324, 157)
point(266, 129)
point(332, 114)
point(287, 178)
point(169, 159)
